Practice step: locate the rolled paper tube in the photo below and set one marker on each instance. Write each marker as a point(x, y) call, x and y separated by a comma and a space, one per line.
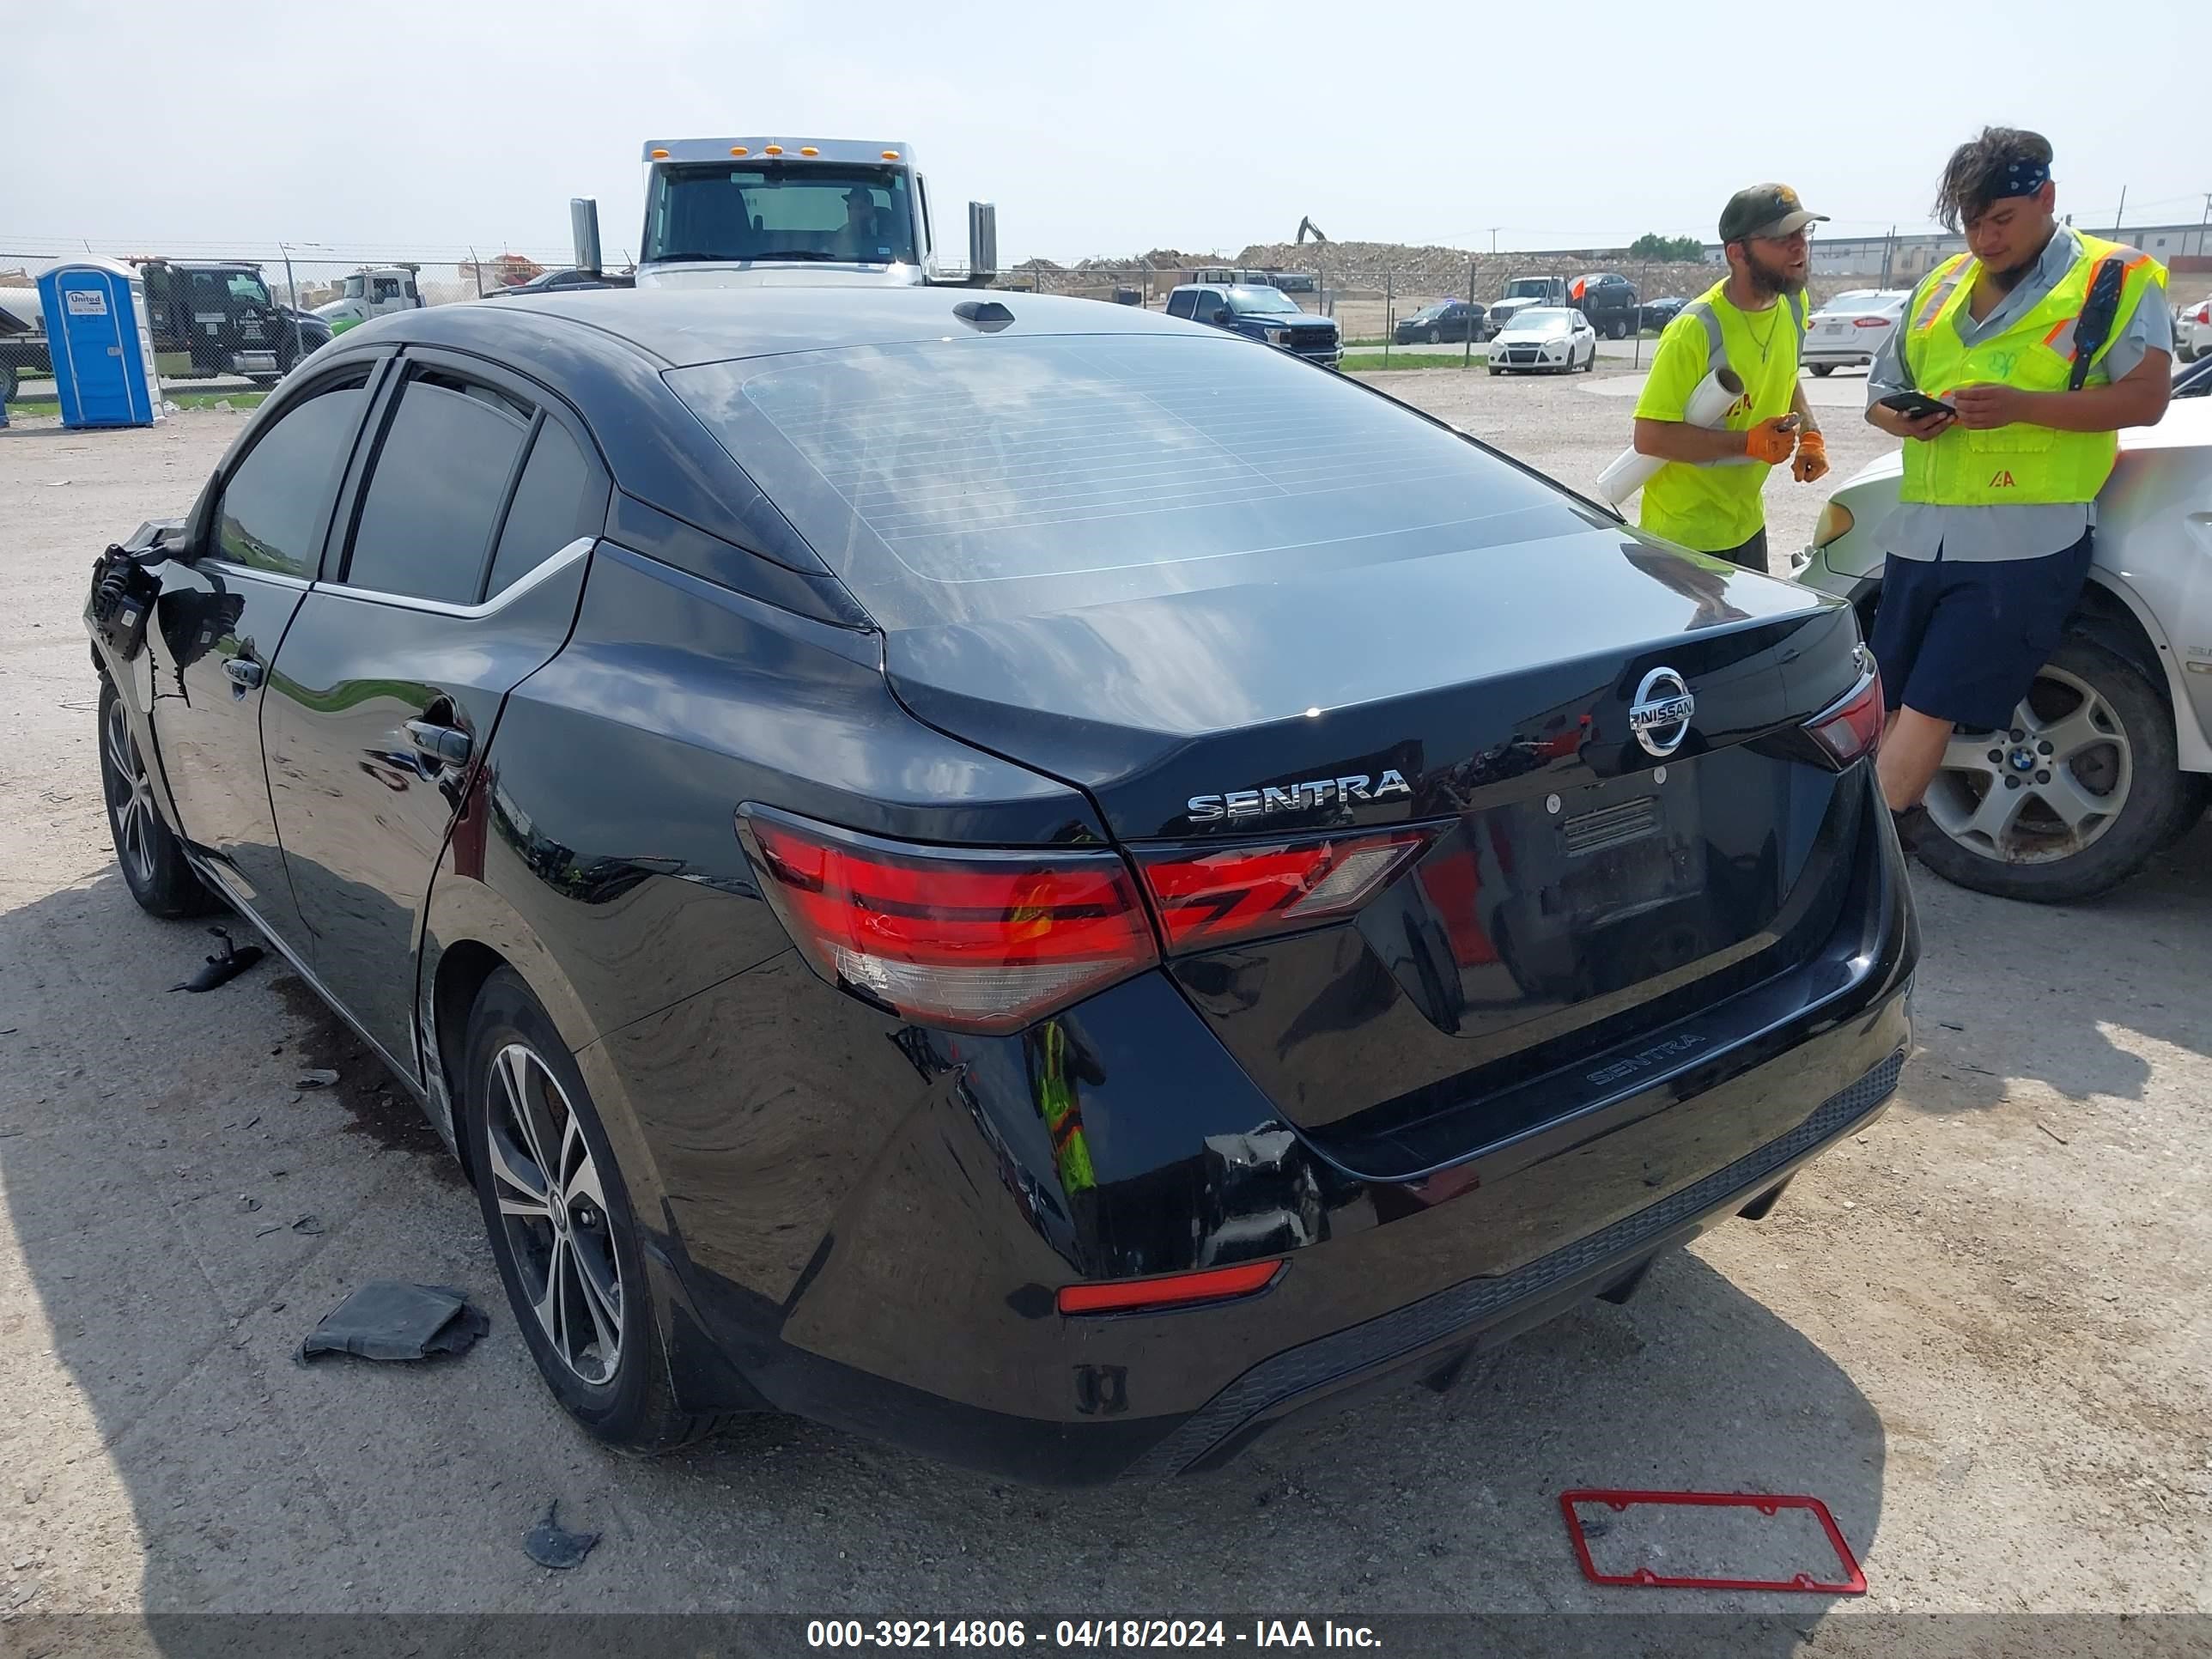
point(1708, 407)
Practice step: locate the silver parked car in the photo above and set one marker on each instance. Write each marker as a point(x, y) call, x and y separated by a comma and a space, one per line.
point(1546, 337)
point(1851, 330)
point(2108, 759)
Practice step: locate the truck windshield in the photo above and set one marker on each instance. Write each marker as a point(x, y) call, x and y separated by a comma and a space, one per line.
point(1528, 288)
point(849, 214)
point(248, 289)
point(1260, 299)
point(354, 291)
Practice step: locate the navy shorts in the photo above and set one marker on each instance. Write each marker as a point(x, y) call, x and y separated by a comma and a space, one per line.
point(1962, 640)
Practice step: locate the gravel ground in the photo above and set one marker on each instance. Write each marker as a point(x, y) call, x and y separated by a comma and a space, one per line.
point(1977, 1331)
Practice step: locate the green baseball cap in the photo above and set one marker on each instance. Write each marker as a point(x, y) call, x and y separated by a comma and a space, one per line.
point(1765, 211)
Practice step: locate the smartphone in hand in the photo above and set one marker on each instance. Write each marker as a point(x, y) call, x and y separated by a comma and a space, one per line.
point(1916, 406)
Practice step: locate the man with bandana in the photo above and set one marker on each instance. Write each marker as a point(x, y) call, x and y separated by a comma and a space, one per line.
point(1990, 543)
point(1708, 498)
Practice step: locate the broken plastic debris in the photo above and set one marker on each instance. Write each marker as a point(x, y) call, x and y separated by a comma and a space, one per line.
point(387, 1318)
point(550, 1546)
point(321, 1077)
point(223, 966)
point(309, 1224)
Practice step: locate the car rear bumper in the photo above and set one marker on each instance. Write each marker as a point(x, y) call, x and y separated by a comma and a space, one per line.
point(1835, 357)
point(866, 1224)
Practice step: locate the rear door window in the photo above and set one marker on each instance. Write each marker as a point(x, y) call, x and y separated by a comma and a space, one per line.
point(973, 479)
point(1182, 305)
point(275, 505)
point(560, 498)
point(426, 523)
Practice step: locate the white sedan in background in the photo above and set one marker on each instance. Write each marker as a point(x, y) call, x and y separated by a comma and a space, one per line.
point(1851, 328)
point(1546, 336)
point(2192, 331)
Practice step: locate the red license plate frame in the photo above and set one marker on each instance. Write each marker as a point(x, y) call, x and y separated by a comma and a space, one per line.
point(1851, 1583)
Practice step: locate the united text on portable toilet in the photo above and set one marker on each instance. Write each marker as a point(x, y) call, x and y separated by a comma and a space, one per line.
point(102, 346)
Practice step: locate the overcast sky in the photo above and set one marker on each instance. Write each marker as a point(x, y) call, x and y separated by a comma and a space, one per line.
point(1107, 128)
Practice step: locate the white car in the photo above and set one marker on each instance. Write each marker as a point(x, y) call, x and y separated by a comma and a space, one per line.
point(2192, 331)
point(1847, 331)
point(2109, 757)
point(1547, 337)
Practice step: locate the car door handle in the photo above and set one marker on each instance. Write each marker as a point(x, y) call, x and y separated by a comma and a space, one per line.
point(244, 672)
point(442, 742)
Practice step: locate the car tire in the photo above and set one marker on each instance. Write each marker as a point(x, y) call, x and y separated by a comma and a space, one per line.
point(524, 1105)
point(1496, 371)
point(146, 851)
point(1590, 366)
point(1435, 337)
point(2159, 801)
point(1821, 371)
point(1616, 330)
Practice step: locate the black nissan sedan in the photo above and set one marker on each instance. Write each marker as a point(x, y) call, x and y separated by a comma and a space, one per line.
point(1011, 874)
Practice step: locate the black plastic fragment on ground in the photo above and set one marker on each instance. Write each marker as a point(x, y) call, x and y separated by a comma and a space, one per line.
point(225, 965)
point(549, 1545)
point(387, 1318)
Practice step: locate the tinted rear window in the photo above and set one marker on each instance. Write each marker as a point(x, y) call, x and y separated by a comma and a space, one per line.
point(978, 478)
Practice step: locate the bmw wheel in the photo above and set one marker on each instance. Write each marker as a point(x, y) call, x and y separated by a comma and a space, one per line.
point(561, 1226)
point(2074, 797)
point(152, 859)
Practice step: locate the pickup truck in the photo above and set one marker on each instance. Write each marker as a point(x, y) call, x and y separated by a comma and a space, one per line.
point(1260, 314)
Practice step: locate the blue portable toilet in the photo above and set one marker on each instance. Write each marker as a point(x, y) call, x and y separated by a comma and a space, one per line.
point(101, 344)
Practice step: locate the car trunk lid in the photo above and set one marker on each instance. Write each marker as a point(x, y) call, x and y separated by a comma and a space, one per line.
point(1576, 884)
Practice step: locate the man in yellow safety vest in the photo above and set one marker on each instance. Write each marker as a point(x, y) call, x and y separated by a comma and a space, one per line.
point(2040, 344)
point(1753, 324)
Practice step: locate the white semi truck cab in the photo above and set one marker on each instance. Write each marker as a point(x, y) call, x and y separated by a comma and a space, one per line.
point(728, 212)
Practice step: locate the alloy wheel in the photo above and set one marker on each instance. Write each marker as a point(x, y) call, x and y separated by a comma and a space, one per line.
point(553, 1207)
point(130, 797)
point(2044, 788)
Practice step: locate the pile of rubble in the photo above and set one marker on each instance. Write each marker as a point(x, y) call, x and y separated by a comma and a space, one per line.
point(1434, 273)
point(1365, 269)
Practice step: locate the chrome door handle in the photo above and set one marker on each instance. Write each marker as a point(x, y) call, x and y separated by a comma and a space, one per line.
point(244, 672)
point(441, 743)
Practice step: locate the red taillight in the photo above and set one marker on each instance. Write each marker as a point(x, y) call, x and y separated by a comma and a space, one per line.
point(1870, 322)
point(1853, 727)
point(1216, 896)
point(976, 940)
point(1174, 1290)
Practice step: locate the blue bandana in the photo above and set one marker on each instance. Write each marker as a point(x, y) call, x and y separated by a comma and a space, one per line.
point(2021, 179)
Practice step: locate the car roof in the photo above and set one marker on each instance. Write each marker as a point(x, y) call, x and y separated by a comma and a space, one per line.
point(683, 326)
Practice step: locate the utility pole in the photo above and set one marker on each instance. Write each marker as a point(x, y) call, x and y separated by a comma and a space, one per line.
point(2119, 217)
point(2202, 223)
point(1494, 229)
point(1467, 334)
point(1888, 244)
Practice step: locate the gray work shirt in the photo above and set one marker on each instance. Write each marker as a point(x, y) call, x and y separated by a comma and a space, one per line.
point(1987, 534)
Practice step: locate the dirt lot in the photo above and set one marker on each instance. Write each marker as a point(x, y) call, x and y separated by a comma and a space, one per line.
point(1977, 1331)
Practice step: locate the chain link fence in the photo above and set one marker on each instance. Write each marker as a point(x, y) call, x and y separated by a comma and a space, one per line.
point(219, 315)
point(222, 313)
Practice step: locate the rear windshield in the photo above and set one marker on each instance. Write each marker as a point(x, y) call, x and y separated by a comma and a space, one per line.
point(980, 478)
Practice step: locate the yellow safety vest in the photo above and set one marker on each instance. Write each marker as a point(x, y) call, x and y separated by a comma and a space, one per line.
point(2020, 464)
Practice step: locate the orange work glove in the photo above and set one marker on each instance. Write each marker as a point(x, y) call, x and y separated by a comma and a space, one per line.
point(1812, 458)
point(1771, 441)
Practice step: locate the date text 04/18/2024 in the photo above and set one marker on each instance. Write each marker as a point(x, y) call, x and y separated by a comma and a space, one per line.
point(1001, 1634)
